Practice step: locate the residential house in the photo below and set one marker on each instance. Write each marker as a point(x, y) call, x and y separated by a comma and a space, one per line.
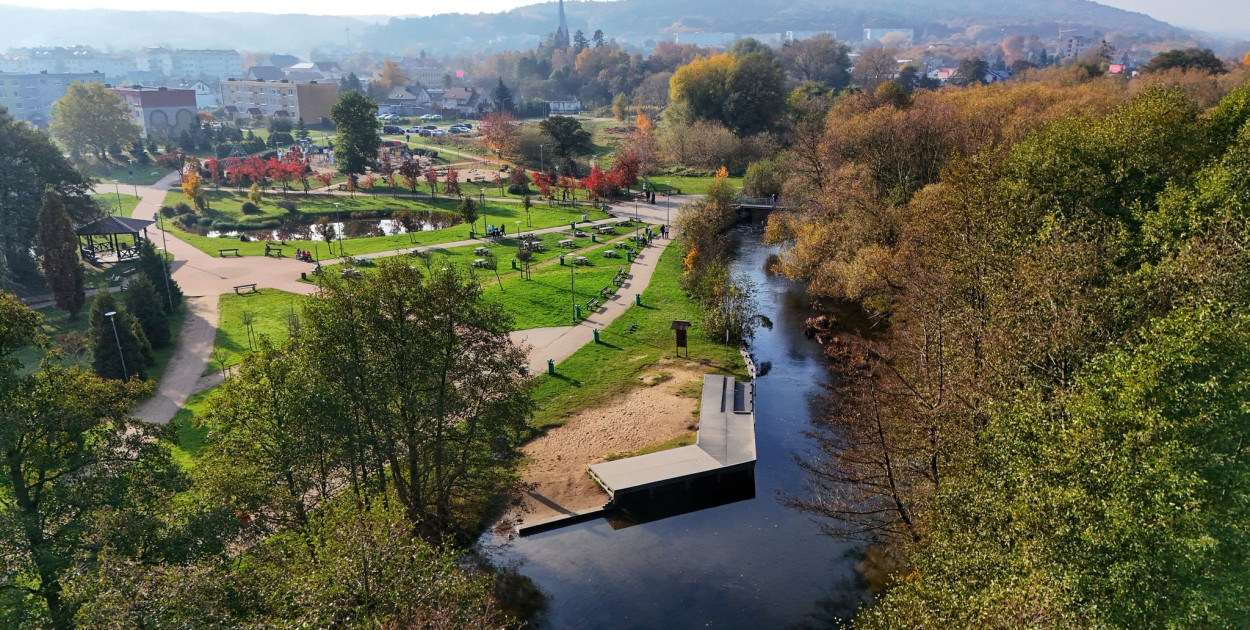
point(468, 101)
point(30, 97)
point(163, 113)
point(206, 96)
point(311, 101)
point(265, 73)
point(1074, 45)
point(408, 100)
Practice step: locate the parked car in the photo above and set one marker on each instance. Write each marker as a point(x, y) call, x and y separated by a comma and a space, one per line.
point(464, 124)
point(413, 129)
point(430, 127)
point(459, 130)
point(437, 132)
point(391, 129)
point(427, 132)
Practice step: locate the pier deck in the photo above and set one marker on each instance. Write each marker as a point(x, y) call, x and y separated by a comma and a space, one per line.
point(726, 443)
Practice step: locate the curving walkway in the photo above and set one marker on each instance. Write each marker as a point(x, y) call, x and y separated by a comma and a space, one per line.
point(203, 278)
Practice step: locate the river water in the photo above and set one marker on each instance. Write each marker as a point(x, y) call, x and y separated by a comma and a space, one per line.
point(753, 563)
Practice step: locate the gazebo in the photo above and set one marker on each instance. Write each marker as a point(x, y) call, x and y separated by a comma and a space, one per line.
point(104, 236)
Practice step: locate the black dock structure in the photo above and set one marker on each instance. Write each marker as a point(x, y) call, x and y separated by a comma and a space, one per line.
point(726, 444)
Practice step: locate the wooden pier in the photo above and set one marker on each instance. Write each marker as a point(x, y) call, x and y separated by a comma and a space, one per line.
point(726, 444)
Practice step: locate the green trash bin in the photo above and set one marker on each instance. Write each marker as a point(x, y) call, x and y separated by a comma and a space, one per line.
point(514, 263)
point(561, 259)
point(638, 299)
point(596, 334)
point(551, 367)
point(471, 234)
point(577, 311)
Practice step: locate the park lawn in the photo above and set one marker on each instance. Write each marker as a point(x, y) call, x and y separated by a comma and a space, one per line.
point(189, 433)
point(109, 203)
point(227, 204)
point(270, 309)
point(544, 300)
point(494, 213)
point(688, 185)
point(598, 372)
point(120, 172)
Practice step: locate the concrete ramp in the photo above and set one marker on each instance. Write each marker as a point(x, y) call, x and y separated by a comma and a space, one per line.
point(726, 443)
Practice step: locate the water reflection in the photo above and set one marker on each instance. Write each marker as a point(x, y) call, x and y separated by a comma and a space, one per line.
point(350, 228)
point(746, 563)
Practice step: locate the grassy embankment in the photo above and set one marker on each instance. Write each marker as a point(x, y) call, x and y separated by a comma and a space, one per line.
point(225, 205)
point(120, 172)
point(629, 346)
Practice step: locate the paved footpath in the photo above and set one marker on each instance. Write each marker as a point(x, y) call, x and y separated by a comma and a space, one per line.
point(203, 278)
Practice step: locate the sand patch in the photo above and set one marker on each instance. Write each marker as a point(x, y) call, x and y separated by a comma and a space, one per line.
point(556, 462)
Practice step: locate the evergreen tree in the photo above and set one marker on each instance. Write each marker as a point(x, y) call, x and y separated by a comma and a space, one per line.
point(579, 41)
point(350, 83)
point(301, 131)
point(106, 359)
point(468, 210)
point(59, 246)
point(503, 97)
point(152, 265)
point(144, 303)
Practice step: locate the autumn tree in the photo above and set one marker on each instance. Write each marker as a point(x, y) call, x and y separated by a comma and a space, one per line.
point(501, 133)
point(192, 185)
point(451, 182)
point(390, 76)
point(90, 118)
point(821, 59)
point(58, 248)
point(875, 66)
point(1197, 59)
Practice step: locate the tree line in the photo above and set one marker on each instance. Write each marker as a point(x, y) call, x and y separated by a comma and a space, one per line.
point(1044, 430)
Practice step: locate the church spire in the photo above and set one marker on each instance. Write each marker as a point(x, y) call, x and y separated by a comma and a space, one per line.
point(561, 39)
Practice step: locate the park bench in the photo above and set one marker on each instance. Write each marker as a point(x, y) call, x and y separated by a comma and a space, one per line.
point(605, 292)
point(247, 286)
point(619, 279)
point(592, 304)
point(276, 252)
point(221, 253)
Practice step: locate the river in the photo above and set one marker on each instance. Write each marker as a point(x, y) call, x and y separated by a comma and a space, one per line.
point(753, 563)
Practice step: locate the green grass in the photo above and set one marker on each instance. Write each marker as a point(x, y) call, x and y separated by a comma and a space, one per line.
point(109, 172)
point(226, 206)
point(189, 434)
point(109, 203)
point(685, 439)
point(598, 372)
point(270, 309)
point(689, 185)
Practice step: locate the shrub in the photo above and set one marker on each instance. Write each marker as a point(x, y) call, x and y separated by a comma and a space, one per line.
point(183, 208)
point(250, 208)
point(225, 225)
point(523, 254)
point(204, 221)
point(518, 190)
point(289, 206)
point(168, 211)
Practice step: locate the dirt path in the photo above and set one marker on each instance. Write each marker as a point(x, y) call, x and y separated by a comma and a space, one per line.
point(664, 409)
point(182, 379)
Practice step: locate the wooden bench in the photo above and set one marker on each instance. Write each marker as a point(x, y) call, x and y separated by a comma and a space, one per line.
point(605, 292)
point(221, 253)
point(619, 279)
point(276, 252)
point(247, 286)
point(593, 304)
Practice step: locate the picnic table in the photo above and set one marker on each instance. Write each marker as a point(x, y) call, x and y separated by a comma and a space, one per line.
point(606, 229)
point(479, 262)
point(568, 242)
point(625, 223)
point(610, 253)
point(581, 260)
point(481, 251)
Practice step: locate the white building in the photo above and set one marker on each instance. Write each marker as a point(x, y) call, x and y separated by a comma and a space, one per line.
point(58, 60)
point(211, 64)
point(206, 96)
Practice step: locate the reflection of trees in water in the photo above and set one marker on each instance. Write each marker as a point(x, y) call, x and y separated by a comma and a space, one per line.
point(845, 597)
point(357, 229)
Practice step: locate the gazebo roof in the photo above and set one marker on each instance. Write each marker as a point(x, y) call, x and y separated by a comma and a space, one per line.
point(113, 225)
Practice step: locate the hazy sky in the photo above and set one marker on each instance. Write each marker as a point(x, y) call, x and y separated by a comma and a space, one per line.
point(1217, 16)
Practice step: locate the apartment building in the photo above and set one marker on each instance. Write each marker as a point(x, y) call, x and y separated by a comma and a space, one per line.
point(311, 101)
point(30, 97)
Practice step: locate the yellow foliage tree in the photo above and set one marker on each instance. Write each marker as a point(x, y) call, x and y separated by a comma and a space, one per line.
point(698, 89)
point(391, 75)
point(193, 186)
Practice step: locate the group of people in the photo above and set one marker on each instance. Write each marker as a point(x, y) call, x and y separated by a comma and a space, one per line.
point(495, 232)
point(304, 255)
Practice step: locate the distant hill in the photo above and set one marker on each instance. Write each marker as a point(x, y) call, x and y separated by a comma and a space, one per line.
point(635, 21)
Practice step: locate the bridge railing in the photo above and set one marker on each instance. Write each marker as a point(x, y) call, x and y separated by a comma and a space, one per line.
point(757, 202)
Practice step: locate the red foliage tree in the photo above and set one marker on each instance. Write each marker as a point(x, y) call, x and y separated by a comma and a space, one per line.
point(410, 170)
point(216, 172)
point(235, 172)
point(431, 178)
point(255, 169)
point(543, 182)
point(597, 183)
point(625, 169)
point(324, 178)
point(451, 182)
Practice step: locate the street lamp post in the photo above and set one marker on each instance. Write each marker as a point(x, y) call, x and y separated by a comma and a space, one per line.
point(481, 201)
point(164, 260)
point(116, 338)
point(117, 192)
point(340, 218)
point(572, 295)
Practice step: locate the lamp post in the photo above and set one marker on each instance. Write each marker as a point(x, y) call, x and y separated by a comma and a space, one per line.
point(541, 163)
point(120, 355)
point(481, 201)
point(130, 175)
point(117, 192)
point(340, 218)
point(572, 295)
